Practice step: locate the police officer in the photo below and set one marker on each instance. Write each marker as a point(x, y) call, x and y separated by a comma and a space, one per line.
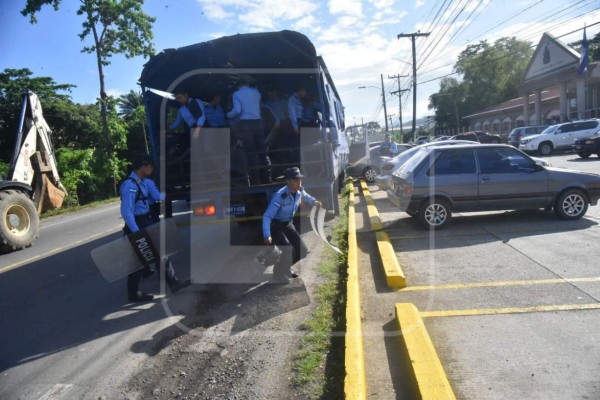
point(278, 227)
point(191, 112)
point(388, 148)
point(246, 107)
point(135, 211)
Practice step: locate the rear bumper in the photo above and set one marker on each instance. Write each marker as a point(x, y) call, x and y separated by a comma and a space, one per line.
point(585, 148)
point(384, 181)
point(403, 203)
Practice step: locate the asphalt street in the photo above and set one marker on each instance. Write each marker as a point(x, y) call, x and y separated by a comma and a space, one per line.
point(64, 329)
point(511, 300)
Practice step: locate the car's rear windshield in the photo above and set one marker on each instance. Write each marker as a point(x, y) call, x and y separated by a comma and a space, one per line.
point(550, 129)
point(414, 160)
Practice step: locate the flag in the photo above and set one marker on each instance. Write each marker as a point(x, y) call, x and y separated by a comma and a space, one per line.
point(583, 61)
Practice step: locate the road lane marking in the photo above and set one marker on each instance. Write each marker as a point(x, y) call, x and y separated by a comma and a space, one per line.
point(59, 249)
point(500, 284)
point(515, 310)
point(79, 217)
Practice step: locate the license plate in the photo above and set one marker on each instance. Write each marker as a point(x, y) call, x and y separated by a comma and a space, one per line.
point(236, 209)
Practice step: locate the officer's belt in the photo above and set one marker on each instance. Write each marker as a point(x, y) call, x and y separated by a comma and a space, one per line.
point(279, 223)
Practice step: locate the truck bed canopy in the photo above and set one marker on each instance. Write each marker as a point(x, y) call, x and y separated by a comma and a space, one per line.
point(241, 53)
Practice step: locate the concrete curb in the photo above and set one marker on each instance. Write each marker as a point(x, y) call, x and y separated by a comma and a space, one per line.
point(355, 382)
point(431, 380)
point(394, 276)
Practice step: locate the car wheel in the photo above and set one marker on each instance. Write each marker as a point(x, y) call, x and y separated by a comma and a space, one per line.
point(571, 205)
point(545, 148)
point(584, 155)
point(434, 213)
point(369, 174)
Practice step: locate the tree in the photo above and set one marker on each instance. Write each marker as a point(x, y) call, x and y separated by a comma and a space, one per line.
point(116, 27)
point(133, 111)
point(594, 46)
point(13, 83)
point(491, 74)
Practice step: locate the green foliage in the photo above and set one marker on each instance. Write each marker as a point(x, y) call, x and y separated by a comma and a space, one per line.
point(116, 27)
point(594, 46)
point(75, 167)
point(491, 74)
point(3, 169)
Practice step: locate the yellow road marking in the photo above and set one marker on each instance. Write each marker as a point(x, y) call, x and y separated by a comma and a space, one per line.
point(500, 284)
point(58, 249)
point(355, 382)
point(516, 310)
point(431, 380)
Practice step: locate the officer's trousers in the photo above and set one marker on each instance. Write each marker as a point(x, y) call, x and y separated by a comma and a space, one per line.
point(249, 132)
point(291, 244)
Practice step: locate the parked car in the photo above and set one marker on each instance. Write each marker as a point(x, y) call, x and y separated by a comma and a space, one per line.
point(515, 136)
point(390, 164)
point(485, 137)
point(440, 138)
point(588, 146)
point(422, 140)
point(466, 136)
point(438, 181)
point(368, 167)
point(561, 136)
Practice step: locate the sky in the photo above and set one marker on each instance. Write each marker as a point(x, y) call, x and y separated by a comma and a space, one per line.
point(357, 39)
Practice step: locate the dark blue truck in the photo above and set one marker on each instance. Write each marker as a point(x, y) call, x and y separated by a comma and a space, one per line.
point(213, 181)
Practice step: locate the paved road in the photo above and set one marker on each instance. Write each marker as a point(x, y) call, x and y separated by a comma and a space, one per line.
point(490, 288)
point(66, 333)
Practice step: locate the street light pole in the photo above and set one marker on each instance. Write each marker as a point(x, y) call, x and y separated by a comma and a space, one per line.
point(413, 36)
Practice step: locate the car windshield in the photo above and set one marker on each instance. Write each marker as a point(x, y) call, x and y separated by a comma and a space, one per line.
point(413, 161)
point(549, 130)
point(404, 156)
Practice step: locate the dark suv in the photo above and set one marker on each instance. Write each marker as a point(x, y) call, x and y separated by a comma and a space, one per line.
point(438, 181)
point(588, 146)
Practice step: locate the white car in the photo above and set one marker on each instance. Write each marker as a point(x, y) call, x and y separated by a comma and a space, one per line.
point(562, 136)
point(389, 165)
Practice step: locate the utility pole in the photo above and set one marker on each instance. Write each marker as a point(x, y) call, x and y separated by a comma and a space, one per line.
point(413, 36)
point(399, 93)
point(391, 123)
point(384, 106)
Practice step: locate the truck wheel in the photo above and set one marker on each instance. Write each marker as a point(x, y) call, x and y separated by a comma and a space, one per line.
point(545, 148)
point(19, 220)
point(584, 155)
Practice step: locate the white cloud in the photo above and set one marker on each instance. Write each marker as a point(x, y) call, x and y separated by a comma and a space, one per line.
point(346, 7)
point(115, 92)
point(382, 3)
point(419, 3)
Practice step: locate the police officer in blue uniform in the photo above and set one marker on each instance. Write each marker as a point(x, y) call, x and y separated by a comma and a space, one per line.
point(278, 227)
point(135, 211)
point(248, 130)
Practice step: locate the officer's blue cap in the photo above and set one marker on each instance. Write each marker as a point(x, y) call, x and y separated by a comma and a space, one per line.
point(292, 173)
point(142, 160)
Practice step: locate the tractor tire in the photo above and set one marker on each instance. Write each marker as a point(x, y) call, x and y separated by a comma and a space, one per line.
point(19, 220)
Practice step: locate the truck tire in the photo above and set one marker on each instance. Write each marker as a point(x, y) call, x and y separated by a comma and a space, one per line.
point(19, 220)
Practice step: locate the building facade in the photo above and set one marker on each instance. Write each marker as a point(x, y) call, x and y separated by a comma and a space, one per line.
point(554, 91)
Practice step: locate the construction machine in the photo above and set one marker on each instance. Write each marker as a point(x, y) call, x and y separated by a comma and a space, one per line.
point(33, 184)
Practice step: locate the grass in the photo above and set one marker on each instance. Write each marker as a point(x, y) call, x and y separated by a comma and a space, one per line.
point(319, 363)
point(66, 210)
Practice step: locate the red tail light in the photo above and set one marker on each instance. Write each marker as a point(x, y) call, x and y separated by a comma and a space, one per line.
point(205, 209)
point(210, 210)
point(388, 167)
point(407, 190)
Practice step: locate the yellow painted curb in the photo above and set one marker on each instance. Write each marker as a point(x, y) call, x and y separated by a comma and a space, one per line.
point(394, 275)
point(431, 380)
point(374, 218)
point(355, 382)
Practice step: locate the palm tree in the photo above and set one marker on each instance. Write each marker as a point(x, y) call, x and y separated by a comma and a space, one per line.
point(129, 104)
